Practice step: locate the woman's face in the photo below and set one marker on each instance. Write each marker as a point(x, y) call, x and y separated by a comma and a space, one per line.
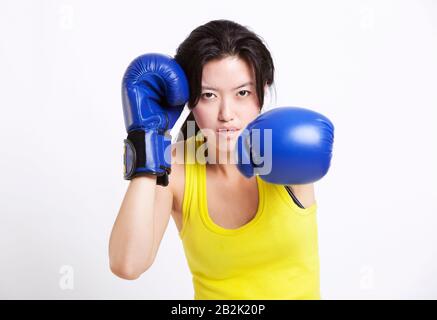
point(228, 101)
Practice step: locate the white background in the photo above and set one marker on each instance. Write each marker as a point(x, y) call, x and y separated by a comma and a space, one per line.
point(370, 66)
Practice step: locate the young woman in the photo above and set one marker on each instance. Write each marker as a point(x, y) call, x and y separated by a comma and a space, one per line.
point(244, 238)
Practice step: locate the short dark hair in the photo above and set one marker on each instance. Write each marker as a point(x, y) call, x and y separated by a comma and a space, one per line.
point(218, 39)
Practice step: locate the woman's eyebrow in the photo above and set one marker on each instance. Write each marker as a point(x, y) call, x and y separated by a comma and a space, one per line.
point(250, 83)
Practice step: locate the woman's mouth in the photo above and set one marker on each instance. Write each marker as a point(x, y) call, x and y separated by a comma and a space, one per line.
point(229, 133)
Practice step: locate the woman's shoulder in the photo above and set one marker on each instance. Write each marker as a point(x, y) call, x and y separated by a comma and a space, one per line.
point(305, 194)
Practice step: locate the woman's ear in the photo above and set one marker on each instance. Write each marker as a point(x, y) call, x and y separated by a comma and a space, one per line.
point(266, 90)
point(266, 95)
point(269, 96)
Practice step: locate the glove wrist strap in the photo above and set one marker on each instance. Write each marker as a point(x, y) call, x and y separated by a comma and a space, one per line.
point(147, 152)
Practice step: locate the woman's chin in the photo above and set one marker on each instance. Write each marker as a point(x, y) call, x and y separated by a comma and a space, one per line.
point(226, 145)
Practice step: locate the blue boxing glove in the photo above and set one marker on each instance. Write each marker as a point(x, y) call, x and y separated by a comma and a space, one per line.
point(286, 145)
point(154, 92)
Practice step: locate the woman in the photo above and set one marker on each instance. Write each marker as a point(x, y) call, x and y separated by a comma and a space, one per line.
point(244, 238)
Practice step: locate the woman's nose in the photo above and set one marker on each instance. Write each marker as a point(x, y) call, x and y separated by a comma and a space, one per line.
point(225, 113)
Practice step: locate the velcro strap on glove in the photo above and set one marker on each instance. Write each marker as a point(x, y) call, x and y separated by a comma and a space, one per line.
point(147, 152)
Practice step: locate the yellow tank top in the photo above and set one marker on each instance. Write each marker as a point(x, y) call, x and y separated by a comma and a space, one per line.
point(273, 256)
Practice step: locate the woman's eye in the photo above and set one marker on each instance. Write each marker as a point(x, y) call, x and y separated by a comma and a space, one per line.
point(207, 95)
point(244, 91)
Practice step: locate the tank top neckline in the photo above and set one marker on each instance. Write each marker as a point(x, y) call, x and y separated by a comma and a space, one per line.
point(204, 212)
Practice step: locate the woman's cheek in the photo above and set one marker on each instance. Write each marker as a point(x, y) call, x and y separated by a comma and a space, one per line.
point(205, 119)
point(249, 112)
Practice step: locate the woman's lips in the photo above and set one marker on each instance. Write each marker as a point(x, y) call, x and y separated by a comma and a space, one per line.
point(228, 132)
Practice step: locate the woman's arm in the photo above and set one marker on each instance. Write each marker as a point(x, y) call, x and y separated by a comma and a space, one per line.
point(143, 215)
